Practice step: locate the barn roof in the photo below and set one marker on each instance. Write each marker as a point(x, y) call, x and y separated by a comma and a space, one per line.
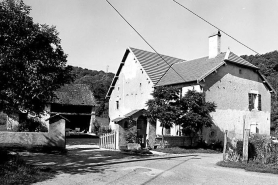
point(74, 94)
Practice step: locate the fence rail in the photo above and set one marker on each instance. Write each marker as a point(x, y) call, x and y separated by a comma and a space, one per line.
point(108, 140)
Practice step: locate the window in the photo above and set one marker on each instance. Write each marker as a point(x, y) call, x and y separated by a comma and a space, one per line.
point(254, 128)
point(167, 130)
point(126, 125)
point(255, 102)
point(117, 105)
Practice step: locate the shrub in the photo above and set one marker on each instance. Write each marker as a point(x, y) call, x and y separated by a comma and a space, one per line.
point(32, 125)
point(131, 135)
point(131, 132)
point(251, 149)
point(265, 150)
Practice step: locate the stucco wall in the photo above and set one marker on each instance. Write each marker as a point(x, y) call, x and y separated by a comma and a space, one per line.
point(228, 88)
point(132, 89)
point(54, 138)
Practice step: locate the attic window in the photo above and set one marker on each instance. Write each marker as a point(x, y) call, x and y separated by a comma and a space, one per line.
point(240, 71)
point(118, 88)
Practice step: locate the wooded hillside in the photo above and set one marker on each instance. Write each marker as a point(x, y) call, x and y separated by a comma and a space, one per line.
point(99, 83)
point(268, 64)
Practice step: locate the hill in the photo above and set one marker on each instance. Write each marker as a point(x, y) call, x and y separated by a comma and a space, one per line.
point(99, 83)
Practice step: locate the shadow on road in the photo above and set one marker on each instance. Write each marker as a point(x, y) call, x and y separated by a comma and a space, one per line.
point(78, 160)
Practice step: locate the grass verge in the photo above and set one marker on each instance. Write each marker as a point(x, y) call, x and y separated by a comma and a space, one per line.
point(14, 170)
point(251, 166)
point(178, 150)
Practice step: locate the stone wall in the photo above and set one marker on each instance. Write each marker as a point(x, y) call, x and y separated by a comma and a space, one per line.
point(173, 141)
point(55, 137)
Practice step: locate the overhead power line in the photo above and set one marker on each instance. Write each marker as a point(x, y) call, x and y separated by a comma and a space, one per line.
point(215, 27)
point(144, 41)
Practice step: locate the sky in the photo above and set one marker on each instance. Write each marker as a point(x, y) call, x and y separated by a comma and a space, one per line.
point(95, 37)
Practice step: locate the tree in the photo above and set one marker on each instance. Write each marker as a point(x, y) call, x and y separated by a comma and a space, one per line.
point(191, 111)
point(32, 61)
point(195, 113)
point(163, 106)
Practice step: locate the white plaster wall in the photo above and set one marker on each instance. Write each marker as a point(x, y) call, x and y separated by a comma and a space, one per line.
point(191, 87)
point(229, 89)
point(132, 89)
point(45, 116)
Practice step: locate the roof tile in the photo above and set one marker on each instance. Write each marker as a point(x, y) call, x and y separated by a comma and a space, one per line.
point(74, 94)
point(152, 63)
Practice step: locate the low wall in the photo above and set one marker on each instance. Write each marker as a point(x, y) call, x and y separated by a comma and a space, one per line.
point(177, 140)
point(55, 137)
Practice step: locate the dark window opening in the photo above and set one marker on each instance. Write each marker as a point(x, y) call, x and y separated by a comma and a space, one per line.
point(117, 104)
point(255, 102)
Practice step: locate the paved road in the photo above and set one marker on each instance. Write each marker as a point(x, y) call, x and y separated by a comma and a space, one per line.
point(190, 169)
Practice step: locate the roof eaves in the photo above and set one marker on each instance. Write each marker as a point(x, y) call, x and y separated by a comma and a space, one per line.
point(211, 71)
point(248, 66)
point(266, 82)
point(178, 83)
point(117, 74)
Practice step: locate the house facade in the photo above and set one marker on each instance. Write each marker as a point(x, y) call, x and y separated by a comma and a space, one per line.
point(241, 93)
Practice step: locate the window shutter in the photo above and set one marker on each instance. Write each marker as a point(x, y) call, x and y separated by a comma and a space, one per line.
point(250, 101)
point(259, 102)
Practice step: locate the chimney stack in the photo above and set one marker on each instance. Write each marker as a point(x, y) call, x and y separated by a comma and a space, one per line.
point(214, 45)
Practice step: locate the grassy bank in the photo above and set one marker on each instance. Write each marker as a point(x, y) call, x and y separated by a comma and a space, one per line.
point(251, 166)
point(179, 150)
point(14, 170)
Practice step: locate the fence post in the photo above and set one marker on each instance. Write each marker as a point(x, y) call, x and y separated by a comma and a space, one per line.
point(245, 145)
point(225, 144)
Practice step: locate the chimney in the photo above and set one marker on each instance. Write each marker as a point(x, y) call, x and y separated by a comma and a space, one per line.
point(214, 45)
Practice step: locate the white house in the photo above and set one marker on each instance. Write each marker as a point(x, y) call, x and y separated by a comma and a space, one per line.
point(240, 91)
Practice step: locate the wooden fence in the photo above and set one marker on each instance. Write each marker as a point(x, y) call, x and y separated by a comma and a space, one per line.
point(108, 141)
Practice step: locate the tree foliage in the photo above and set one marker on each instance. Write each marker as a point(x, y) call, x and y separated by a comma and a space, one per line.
point(32, 61)
point(195, 113)
point(99, 83)
point(191, 111)
point(163, 106)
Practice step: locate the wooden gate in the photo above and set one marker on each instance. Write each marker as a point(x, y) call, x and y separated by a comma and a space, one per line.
point(108, 141)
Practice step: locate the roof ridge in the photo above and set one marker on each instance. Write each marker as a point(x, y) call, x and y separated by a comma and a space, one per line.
point(156, 53)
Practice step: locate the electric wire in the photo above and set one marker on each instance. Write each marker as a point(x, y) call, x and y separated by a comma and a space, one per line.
point(170, 66)
point(216, 27)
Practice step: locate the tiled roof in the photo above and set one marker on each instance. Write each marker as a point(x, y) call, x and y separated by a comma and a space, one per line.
point(130, 114)
point(74, 94)
point(181, 71)
point(195, 70)
point(191, 70)
point(153, 64)
point(238, 60)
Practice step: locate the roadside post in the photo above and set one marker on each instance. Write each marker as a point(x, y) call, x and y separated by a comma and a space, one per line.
point(245, 145)
point(225, 144)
